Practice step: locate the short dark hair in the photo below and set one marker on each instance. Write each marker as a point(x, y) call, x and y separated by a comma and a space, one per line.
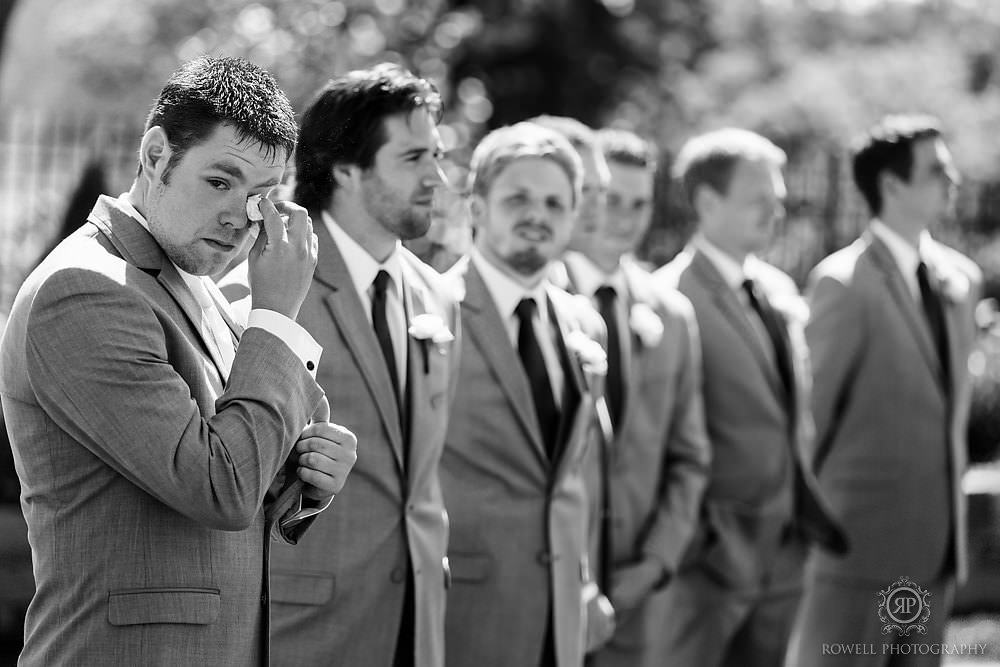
point(626, 147)
point(345, 124)
point(206, 92)
point(888, 146)
point(709, 159)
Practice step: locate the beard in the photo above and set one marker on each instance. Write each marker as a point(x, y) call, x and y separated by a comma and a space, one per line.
point(526, 262)
point(395, 214)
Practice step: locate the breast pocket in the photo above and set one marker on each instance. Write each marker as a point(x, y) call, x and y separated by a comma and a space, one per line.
point(140, 606)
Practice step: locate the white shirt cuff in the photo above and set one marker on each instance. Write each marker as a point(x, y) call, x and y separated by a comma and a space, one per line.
point(294, 336)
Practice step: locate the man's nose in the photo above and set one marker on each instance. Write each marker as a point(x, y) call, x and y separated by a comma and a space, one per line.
point(235, 213)
point(435, 176)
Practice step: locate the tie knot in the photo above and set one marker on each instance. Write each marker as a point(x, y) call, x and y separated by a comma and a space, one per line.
point(605, 294)
point(750, 288)
point(525, 309)
point(382, 279)
point(922, 274)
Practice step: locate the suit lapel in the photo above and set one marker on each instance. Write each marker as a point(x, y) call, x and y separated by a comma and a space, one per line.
point(729, 305)
point(349, 316)
point(915, 319)
point(138, 247)
point(417, 378)
point(483, 323)
point(573, 385)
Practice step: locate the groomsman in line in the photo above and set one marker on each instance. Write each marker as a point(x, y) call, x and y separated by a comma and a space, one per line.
point(147, 426)
point(656, 465)
point(523, 417)
point(369, 587)
point(594, 191)
point(734, 598)
point(890, 330)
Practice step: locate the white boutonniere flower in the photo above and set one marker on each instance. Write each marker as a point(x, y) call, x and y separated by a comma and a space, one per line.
point(953, 286)
point(593, 358)
point(792, 306)
point(645, 324)
point(429, 328)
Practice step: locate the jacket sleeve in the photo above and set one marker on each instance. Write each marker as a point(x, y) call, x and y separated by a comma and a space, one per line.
point(688, 453)
point(835, 334)
point(115, 372)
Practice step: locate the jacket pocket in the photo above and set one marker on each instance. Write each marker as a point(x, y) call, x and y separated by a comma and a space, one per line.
point(139, 606)
point(470, 568)
point(307, 588)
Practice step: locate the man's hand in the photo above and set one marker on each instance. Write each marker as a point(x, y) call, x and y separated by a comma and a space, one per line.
point(600, 617)
point(326, 452)
point(283, 258)
point(631, 585)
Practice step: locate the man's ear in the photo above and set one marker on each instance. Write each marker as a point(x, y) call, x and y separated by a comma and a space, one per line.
point(347, 177)
point(154, 152)
point(888, 184)
point(704, 201)
point(476, 207)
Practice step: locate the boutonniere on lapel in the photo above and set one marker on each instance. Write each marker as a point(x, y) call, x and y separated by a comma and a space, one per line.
point(429, 329)
point(953, 286)
point(592, 358)
point(645, 324)
point(792, 306)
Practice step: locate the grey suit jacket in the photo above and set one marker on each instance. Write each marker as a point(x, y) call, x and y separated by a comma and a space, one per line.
point(518, 519)
point(890, 447)
point(660, 453)
point(758, 437)
point(142, 480)
point(338, 595)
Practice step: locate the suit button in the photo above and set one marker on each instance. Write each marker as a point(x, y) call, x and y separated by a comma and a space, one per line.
point(397, 575)
point(263, 598)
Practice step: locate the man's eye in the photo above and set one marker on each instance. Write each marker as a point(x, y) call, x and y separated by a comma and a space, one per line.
point(218, 184)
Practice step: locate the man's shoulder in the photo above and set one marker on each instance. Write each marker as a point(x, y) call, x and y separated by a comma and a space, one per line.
point(429, 279)
point(846, 265)
point(660, 294)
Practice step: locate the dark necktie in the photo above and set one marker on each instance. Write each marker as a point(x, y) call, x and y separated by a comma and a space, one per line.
point(607, 301)
point(934, 311)
point(774, 326)
point(538, 377)
point(381, 324)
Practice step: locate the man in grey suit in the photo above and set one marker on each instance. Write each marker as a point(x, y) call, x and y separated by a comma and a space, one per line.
point(890, 330)
point(145, 437)
point(654, 467)
point(734, 598)
point(523, 415)
point(368, 587)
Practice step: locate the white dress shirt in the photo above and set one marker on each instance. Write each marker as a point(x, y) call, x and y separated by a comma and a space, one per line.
point(363, 268)
point(734, 274)
point(907, 257)
point(507, 293)
point(215, 330)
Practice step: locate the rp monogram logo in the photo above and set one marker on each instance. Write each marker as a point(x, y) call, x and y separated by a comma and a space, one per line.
point(903, 607)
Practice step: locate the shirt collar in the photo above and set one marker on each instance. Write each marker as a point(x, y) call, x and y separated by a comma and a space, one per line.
point(506, 291)
point(588, 277)
point(360, 264)
point(907, 257)
point(732, 271)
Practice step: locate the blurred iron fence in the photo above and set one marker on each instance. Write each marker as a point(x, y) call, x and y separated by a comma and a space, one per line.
point(43, 157)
